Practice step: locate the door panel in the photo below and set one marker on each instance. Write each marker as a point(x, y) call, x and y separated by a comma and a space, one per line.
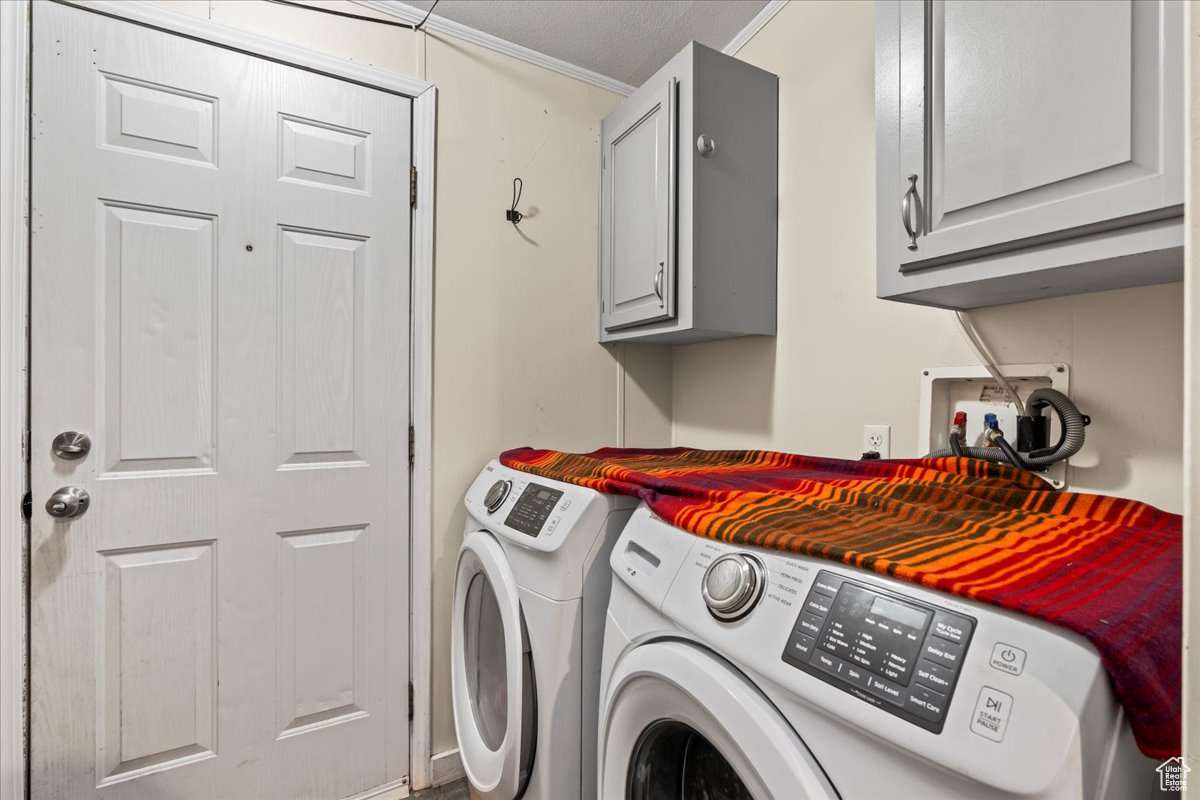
point(219, 293)
point(637, 235)
point(322, 318)
point(322, 628)
point(156, 680)
point(1021, 131)
point(141, 116)
point(158, 332)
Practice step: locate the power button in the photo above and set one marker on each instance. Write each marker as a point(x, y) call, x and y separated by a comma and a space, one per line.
point(1007, 658)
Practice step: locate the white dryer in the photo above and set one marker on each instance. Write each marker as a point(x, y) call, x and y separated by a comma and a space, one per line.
point(734, 672)
point(530, 596)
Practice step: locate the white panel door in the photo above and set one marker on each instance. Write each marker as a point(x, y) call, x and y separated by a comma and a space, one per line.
point(637, 208)
point(220, 301)
point(1026, 121)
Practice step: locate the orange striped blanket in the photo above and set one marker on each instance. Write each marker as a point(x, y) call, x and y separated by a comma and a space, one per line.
point(1107, 568)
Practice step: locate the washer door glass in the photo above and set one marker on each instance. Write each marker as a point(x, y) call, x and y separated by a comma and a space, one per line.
point(487, 673)
point(671, 761)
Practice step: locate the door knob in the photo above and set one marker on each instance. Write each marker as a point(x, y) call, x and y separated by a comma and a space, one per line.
point(71, 445)
point(68, 502)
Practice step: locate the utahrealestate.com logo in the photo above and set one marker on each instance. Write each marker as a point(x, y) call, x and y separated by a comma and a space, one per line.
point(1172, 774)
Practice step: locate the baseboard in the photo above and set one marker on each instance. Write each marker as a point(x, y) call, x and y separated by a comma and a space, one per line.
point(445, 768)
point(396, 790)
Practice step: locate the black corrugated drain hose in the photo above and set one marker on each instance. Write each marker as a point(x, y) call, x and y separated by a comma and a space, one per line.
point(1071, 422)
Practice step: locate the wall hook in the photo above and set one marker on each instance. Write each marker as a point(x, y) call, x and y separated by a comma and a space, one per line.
point(512, 215)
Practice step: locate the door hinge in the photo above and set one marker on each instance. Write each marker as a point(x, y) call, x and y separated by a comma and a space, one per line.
point(412, 445)
point(412, 187)
point(410, 703)
point(27, 506)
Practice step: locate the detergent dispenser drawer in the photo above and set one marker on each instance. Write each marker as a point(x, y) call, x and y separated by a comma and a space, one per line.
point(891, 651)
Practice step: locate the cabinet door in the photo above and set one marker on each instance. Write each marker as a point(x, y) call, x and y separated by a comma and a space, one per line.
point(637, 215)
point(1024, 122)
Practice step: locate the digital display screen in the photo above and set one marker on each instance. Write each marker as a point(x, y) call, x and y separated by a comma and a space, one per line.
point(543, 495)
point(898, 612)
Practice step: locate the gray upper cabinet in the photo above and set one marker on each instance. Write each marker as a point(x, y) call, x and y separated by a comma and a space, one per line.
point(1027, 149)
point(688, 196)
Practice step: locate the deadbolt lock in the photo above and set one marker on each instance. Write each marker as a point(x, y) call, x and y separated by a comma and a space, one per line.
point(71, 445)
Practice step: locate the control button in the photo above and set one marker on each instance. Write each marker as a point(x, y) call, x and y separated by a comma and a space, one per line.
point(886, 690)
point(990, 718)
point(732, 585)
point(565, 504)
point(497, 495)
point(818, 604)
point(942, 651)
point(856, 675)
point(827, 585)
point(1007, 658)
point(809, 624)
point(799, 646)
point(925, 703)
point(934, 675)
point(828, 663)
point(553, 524)
point(956, 629)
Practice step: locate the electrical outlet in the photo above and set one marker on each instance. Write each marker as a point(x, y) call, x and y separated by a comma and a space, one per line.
point(877, 439)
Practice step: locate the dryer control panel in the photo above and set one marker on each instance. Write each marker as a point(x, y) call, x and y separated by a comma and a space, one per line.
point(533, 508)
point(898, 654)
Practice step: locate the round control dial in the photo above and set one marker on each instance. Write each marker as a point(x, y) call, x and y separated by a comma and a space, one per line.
point(732, 586)
point(497, 495)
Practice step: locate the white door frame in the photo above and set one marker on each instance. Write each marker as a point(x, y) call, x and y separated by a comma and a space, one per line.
point(14, 305)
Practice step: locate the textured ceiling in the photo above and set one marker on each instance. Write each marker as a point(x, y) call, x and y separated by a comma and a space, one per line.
point(622, 39)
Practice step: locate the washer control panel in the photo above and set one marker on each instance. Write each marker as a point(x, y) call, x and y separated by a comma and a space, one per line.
point(898, 654)
point(532, 508)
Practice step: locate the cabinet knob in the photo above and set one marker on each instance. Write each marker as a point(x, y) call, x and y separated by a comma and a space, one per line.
point(706, 145)
point(906, 210)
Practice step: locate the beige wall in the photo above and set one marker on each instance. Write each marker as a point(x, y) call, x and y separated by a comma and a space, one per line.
point(843, 358)
point(515, 355)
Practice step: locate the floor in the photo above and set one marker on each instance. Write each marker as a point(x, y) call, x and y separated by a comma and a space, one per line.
point(451, 791)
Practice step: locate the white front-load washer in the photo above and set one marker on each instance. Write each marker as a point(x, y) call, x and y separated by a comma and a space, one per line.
point(738, 672)
point(530, 596)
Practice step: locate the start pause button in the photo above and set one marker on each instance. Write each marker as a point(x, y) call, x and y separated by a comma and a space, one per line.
point(990, 718)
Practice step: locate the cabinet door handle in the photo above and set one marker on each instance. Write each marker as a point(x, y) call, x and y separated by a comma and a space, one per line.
point(658, 276)
point(906, 209)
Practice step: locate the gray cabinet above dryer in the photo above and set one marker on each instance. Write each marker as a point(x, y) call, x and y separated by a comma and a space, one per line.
point(688, 204)
point(1027, 149)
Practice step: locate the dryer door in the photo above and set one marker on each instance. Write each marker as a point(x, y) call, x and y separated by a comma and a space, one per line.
point(681, 723)
point(492, 685)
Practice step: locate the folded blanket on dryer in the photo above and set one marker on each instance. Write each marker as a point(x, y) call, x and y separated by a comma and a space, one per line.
point(1107, 568)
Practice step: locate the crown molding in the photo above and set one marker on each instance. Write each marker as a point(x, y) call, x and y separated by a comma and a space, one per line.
point(458, 30)
point(757, 24)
